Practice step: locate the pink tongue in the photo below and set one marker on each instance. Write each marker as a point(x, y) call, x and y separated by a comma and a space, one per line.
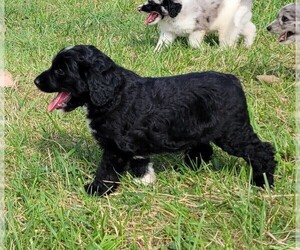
point(58, 100)
point(151, 18)
point(282, 37)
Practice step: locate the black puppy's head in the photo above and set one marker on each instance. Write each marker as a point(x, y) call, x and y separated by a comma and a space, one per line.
point(80, 75)
point(158, 9)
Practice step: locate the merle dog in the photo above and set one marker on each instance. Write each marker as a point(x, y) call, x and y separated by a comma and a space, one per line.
point(286, 24)
point(132, 117)
point(194, 19)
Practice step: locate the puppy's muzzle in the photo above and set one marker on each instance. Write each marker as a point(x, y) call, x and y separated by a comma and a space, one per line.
point(37, 82)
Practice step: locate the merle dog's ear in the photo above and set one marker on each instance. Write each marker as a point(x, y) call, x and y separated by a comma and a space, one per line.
point(173, 8)
point(102, 82)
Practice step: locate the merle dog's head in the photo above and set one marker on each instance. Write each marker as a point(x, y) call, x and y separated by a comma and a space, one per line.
point(158, 9)
point(285, 24)
point(80, 75)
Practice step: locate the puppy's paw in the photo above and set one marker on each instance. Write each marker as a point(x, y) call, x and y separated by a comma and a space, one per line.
point(260, 180)
point(99, 189)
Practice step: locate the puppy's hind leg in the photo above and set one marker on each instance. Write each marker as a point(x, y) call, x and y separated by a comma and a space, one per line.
point(196, 38)
point(195, 155)
point(241, 141)
point(249, 32)
point(142, 169)
point(107, 174)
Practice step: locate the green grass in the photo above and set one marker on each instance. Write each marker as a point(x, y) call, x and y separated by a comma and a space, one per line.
point(49, 157)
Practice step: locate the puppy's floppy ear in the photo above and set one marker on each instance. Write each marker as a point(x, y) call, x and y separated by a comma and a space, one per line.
point(172, 7)
point(102, 81)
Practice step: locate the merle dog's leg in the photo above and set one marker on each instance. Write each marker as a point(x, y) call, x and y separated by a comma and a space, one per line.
point(241, 141)
point(142, 169)
point(195, 155)
point(249, 32)
point(165, 39)
point(107, 174)
point(196, 37)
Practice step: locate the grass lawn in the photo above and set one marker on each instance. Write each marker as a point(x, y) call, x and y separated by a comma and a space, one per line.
point(49, 157)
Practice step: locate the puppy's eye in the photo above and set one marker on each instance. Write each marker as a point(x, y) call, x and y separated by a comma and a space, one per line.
point(284, 19)
point(59, 72)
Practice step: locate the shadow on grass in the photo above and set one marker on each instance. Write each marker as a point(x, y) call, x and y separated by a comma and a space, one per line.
point(77, 152)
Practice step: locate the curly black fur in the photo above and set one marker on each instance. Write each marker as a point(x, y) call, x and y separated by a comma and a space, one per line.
point(137, 116)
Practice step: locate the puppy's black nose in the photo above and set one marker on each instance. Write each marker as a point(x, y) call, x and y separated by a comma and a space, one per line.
point(269, 28)
point(37, 81)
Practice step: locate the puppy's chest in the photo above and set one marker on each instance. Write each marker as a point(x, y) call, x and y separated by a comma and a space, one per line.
point(104, 129)
point(91, 126)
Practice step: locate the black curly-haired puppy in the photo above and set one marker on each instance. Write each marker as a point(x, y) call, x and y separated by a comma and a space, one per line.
point(132, 117)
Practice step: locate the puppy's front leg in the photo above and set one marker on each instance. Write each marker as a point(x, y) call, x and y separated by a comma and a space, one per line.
point(107, 174)
point(196, 38)
point(165, 39)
